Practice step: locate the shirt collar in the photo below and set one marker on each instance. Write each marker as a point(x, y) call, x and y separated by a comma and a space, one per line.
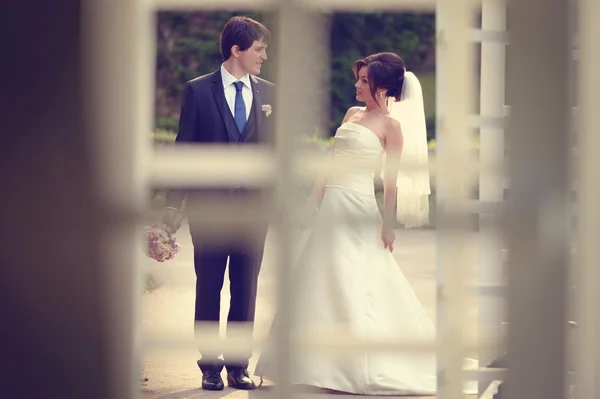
point(229, 79)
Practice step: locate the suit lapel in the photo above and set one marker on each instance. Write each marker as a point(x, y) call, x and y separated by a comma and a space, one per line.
point(219, 94)
point(255, 112)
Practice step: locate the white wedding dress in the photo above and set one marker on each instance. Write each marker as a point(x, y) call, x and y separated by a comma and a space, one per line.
point(344, 277)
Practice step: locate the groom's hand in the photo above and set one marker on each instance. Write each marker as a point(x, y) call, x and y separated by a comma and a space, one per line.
point(171, 220)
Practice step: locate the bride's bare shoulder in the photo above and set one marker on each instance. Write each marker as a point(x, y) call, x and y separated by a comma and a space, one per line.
point(392, 127)
point(351, 112)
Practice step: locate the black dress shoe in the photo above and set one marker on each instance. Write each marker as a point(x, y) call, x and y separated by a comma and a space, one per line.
point(211, 379)
point(239, 378)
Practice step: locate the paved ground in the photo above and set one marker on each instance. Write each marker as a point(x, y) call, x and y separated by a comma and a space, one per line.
point(173, 374)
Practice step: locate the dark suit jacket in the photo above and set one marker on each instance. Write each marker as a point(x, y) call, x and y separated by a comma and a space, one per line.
point(206, 119)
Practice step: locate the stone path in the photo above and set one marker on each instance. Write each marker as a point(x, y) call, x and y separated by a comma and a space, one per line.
point(168, 310)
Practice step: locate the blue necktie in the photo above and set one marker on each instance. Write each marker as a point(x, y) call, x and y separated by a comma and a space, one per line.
point(239, 113)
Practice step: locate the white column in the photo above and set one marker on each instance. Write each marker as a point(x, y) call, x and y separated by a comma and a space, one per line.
point(119, 68)
point(295, 28)
point(588, 213)
point(491, 185)
point(536, 218)
point(454, 100)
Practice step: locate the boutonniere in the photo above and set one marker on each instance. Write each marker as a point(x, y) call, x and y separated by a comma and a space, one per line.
point(266, 108)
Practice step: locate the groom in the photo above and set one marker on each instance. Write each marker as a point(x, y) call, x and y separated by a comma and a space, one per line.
point(228, 106)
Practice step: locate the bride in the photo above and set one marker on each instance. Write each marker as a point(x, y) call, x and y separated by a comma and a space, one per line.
point(346, 276)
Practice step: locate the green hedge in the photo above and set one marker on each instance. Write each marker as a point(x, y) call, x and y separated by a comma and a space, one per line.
point(314, 141)
point(162, 136)
point(187, 46)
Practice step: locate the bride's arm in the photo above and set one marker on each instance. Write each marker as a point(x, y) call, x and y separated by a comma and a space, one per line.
point(319, 187)
point(394, 142)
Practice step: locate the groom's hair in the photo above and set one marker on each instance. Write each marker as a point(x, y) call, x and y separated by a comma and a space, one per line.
point(242, 31)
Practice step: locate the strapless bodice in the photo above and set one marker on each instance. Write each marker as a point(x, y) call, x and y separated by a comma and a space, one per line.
point(357, 154)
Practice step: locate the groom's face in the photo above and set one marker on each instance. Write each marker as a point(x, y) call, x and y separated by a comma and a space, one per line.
point(251, 60)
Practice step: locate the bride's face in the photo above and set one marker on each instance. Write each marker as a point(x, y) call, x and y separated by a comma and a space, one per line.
point(363, 89)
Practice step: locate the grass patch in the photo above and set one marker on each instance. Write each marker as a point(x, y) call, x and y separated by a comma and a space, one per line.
point(428, 86)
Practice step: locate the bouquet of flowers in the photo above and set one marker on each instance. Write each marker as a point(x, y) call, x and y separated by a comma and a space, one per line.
point(162, 245)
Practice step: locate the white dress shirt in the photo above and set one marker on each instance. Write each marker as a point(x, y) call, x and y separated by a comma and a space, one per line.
point(228, 86)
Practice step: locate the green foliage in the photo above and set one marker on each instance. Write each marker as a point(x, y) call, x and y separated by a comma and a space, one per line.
point(166, 123)
point(317, 141)
point(164, 136)
point(354, 36)
point(313, 141)
point(430, 122)
point(188, 46)
point(427, 80)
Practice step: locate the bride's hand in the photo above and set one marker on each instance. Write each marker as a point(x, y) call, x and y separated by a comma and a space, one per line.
point(311, 208)
point(312, 204)
point(388, 237)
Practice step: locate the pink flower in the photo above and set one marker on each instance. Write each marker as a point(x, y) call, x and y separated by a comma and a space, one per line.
point(161, 245)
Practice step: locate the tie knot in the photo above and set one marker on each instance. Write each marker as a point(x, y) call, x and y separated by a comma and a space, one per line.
point(238, 85)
